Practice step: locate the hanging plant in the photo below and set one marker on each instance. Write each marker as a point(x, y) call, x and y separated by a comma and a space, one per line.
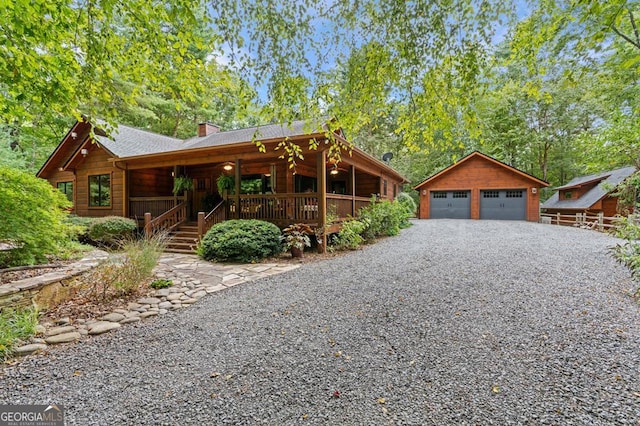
point(181, 184)
point(225, 183)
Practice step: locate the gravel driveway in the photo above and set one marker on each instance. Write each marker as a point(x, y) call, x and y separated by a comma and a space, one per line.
point(452, 322)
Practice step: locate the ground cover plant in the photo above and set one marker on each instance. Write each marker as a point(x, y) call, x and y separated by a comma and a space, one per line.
point(16, 325)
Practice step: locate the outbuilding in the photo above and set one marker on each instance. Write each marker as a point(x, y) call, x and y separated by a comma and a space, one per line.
point(480, 187)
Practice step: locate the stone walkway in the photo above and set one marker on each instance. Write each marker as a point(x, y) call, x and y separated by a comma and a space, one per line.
point(192, 279)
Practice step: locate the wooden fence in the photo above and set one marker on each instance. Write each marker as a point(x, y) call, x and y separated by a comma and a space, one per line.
point(597, 221)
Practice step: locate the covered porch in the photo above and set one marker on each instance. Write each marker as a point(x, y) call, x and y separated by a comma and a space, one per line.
point(314, 192)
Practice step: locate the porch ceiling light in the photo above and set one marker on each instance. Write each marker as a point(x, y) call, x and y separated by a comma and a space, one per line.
point(334, 171)
point(228, 166)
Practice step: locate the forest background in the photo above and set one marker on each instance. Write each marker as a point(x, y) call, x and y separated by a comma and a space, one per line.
point(549, 87)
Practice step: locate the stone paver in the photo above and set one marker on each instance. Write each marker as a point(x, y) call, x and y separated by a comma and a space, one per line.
point(193, 279)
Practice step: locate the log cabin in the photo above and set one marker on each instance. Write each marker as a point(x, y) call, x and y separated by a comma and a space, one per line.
point(590, 194)
point(131, 172)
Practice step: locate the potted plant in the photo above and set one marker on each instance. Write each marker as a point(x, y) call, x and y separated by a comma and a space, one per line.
point(181, 184)
point(296, 237)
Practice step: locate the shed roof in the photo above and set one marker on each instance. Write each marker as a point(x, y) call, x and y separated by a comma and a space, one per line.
point(611, 178)
point(475, 154)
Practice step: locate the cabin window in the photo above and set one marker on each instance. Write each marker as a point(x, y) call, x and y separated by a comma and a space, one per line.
point(491, 194)
point(100, 191)
point(460, 194)
point(384, 188)
point(395, 190)
point(567, 195)
point(514, 194)
point(439, 194)
point(66, 188)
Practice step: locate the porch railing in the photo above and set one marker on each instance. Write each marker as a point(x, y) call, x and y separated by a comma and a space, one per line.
point(281, 209)
point(216, 215)
point(138, 206)
point(167, 221)
point(345, 205)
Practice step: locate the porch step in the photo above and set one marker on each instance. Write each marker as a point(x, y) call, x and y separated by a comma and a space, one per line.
point(184, 239)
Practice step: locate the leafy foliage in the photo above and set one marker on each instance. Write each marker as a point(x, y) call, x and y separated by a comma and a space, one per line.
point(240, 241)
point(349, 237)
point(408, 203)
point(33, 218)
point(16, 325)
point(296, 235)
point(111, 230)
point(628, 253)
point(383, 218)
point(161, 283)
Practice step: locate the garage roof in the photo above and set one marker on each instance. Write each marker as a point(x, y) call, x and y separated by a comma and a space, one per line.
point(474, 154)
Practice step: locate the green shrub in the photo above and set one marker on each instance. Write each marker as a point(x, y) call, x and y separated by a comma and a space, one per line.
point(161, 283)
point(110, 230)
point(349, 237)
point(33, 218)
point(16, 325)
point(240, 241)
point(628, 253)
point(383, 218)
point(408, 203)
point(80, 227)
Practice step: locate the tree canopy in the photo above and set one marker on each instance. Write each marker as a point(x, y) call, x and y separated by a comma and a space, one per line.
point(550, 86)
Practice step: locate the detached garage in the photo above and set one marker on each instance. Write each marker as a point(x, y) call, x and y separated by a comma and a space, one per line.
point(480, 187)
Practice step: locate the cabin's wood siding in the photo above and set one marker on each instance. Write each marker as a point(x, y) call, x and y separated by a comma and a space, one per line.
point(97, 163)
point(474, 175)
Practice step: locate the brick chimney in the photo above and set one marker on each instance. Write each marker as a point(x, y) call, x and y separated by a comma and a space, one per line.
point(206, 129)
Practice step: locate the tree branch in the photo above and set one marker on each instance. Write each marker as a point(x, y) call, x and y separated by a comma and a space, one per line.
point(625, 37)
point(633, 24)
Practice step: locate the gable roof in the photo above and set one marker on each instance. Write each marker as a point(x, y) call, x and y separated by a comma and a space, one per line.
point(588, 199)
point(129, 143)
point(125, 141)
point(479, 154)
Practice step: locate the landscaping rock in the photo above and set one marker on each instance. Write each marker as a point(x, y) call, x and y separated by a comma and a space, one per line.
point(29, 349)
point(63, 321)
point(174, 296)
point(63, 338)
point(163, 292)
point(130, 320)
point(165, 305)
point(59, 330)
point(103, 327)
point(148, 300)
point(199, 294)
point(148, 314)
point(113, 317)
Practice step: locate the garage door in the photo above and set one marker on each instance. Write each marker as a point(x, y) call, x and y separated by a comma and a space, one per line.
point(450, 205)
point(503, 204)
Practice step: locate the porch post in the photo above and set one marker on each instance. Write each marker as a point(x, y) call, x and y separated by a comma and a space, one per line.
point(352, 177)
point(237, 183)
point(321, 175)
point(175, 195)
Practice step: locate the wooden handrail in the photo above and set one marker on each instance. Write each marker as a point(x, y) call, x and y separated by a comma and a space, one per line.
point(167, 221)
point(216, 215)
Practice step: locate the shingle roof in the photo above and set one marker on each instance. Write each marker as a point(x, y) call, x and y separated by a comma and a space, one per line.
point(609, 179)
point(271, 131)
point(125, 141)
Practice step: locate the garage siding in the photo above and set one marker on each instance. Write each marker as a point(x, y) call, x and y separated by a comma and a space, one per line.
point(474, 174)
